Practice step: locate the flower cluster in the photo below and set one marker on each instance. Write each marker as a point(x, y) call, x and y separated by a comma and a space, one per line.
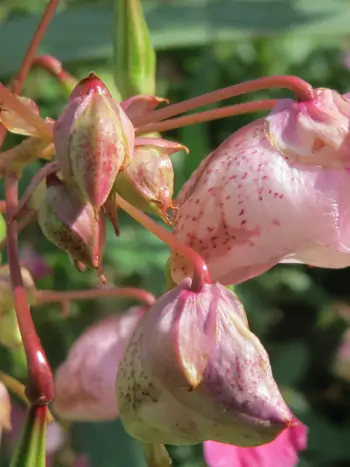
point(184, 368)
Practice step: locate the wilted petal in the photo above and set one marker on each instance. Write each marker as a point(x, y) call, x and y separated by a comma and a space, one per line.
point(193, 371)
point(247, 207)
point(282, 452)
point(140, 105)
point(85, 382)
point(15, 123)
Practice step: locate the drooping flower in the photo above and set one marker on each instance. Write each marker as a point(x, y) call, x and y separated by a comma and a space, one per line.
point(282, 452)
point(94, 139)
point(265, 196)
point(193, 371)
point(85, 381)
point(69, 222)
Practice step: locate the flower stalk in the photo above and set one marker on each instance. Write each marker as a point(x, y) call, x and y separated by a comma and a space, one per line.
point(301, 89)
point(207, 116)
point(39, 388)
point(201, 274)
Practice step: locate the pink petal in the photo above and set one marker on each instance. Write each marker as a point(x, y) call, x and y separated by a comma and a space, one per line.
point(283, 452)
point(85, 382)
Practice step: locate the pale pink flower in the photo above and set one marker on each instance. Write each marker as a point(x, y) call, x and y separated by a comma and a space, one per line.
point(85, 382)
point(194, 371)
point(252, 203)
point(282, 452)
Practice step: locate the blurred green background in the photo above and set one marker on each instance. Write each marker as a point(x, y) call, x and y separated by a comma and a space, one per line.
point(299, 313)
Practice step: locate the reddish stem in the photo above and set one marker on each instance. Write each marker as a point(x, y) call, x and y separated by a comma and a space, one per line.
point(50, 296)
point(18, 82)
point(200, 274)
point(301, 88)
point(2, 206)
point(54, 68)
point(206, 116)
point(39, 388)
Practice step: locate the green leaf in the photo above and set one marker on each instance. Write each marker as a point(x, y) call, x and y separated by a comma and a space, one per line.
point(107, 445)
point(291, 363)
point(88, 31)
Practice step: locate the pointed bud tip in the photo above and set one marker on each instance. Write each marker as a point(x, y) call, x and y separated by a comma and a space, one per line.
point(91, 83)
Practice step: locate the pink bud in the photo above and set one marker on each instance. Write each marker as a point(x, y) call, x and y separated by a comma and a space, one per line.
point(193, 371)
point(85, 382)
point(282, 452)
point(94, 139)
point(148, 181)
point(248, 207)
point(69, 222)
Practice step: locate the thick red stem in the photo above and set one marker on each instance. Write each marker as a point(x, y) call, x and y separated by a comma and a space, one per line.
point(301, 88)
point(54, 68)
point(209, 115)
point(40, 387)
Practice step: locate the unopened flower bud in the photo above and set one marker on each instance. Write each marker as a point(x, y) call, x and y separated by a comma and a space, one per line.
point(94, 139)
point(85, 382)
point(69, 222)
point(148, 181)
point(6, 291)
point(193, 371)
point(135, 57)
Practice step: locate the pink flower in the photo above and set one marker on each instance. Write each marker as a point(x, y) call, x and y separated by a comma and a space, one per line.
point(193, 371)
point(262, 197)
point(282, 452)
point(85, 382)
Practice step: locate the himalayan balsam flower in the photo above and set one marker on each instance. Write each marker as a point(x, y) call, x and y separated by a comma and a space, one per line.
point(94, 139)
point(85, 381)
point(193, 371)
point(265, 196)
point(282, 452)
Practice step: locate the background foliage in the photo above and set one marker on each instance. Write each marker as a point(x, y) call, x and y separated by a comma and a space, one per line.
point(202, 45)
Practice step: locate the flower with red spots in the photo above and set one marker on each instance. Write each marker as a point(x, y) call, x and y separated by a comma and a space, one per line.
point(265, 196)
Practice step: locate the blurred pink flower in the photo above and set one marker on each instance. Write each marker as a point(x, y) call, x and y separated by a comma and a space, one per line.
point(282, 452)
point(35, 263)
point(85, 382)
